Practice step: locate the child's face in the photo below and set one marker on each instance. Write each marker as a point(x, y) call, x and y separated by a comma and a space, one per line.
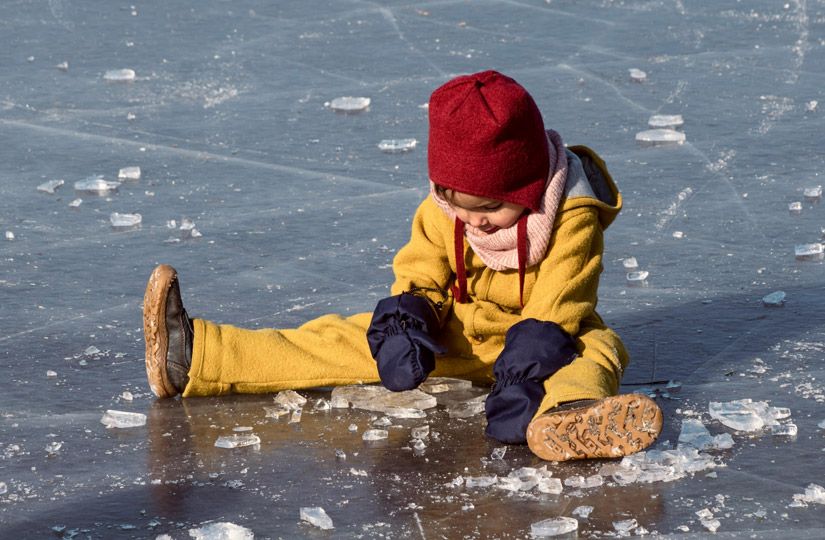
point(485, 215)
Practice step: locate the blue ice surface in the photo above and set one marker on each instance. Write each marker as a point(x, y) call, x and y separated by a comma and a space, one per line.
point(300, 215)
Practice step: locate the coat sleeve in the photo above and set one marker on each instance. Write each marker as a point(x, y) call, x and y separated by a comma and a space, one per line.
point(422, 265)
point(565, 291)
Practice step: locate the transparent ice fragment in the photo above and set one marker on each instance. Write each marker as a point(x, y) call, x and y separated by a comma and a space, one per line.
point(438, 385)
point(581, 482)
point(242, 429)
point(375, 435)
point(3, 488)
point(126, 396)
point(321, 405)
point(624, 526)
point(637, 278)
point(404, 412)
point(96, 184)
point(54, 447)
point(814, 493)
point(521, 479)
point(630, 263)
point(120, 221)
point(119, 75)
point(795, 207)
point(746, 414)
point(122, 419)
point(556, 526)
point(420, 432)
point(665, 121)
point(290, 399)
point(811, 105)
point(812, 194)
point(221, 531)
point(384, 421)
point(397, 146)
point(550, 485)
point(774, 299)
point(237, 440)
point(349, 104)
point(711, 524)
point(296, 416)
point(51, 374)
point(637, 75)
point(316, 516)
point(695, 434)
point(787, 430)
point(9, 235)
point(498, 453)
point(276, 412)
point(63, 66)
point(468, 408)
point(480, 481)
point(75, 203)
point(50, 186)
point(418, 445)
point(809, 252)
point(340, 454)
point(660, 136)
point(379, 399)
point(582, 511)
point(821, 425)
point(129, 173)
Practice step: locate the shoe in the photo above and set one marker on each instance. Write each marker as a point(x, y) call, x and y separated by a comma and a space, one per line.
point(612, 427)
point(168, 332)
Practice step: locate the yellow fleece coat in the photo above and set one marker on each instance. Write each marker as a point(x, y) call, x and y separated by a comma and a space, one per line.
point(332, 350)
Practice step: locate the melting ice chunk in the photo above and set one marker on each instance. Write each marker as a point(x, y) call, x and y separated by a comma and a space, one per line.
point(9, 235)
point(660, 136)
point(119, 75)
point(420, 432)
point(787, 430)
point(123, 221)
point(821, 425)
point(379, 399)
point(695, 434)
point(397, 146)
point(221, 531)
point(50, 186)
point(665, 121)
point(624, 526)
point(774, 299)
point(51, 374)
point(637, 278)
point(349, 104)
point(480, 481)
point(746, 414)
point(814, 493)
point(468, 408)
point(581, 482)
point(75, 203)
point(317, 516)
point(556, 526)
point(237, 440)
point(321, 405)
point(637, 75)
point(96, 184)
point(290, 399)
point(498, 453)
point(630, 263)
point(795, 207)
point(54, 447)
point(438, 385)
point(809, 252)
point(129, 173)
point(122, 419)
point(812, 194)
point(583, 511)
point(375, 435)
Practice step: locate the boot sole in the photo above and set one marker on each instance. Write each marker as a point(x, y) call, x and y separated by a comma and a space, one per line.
point(612, 427)
point(154, 330)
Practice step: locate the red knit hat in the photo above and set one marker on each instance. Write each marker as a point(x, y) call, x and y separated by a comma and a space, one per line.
point(487, 139)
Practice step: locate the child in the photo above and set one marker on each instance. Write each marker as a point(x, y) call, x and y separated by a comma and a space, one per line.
point(498, 283)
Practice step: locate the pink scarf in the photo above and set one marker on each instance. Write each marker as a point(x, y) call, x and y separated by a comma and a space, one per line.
point(500, 250)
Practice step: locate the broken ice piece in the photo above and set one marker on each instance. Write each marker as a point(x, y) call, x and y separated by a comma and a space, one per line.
point(550, 485)
point(129, 173)
point(630, 263)
point(51, 374)
point(821, 425)
point(498, 453)
point(379, 399)
point(809, 252)
point(695, 434)
point(746, 414)
point(340, 454)
point(480, 481)
point(119, 75)
point(290, 399)
point(382, 422)
point(814, 493)
point(237, 440)
point(220, 531)
point(375, 435)
point(186, 224)
point(582, 511)
point(811, 105)
point(296, 416)
point(468, 408)
point(812, 194)
point(438, 385)
point(9, 236)
point(637, 278)
point(637, 75)
point(581, 482)
point(122, 221)
point(321, 405)
point(53, 447)
point(404, 412)
point(711, 524)
point(786, 430)
point(50, 186)
point(397, 146)
point(774, 299)
point(96, 184)
point(556, 526)
point(660, 136)
point(316, 516)
point(126, 396)
point(63, 66)
point(349, 104)
point(420, 432)
point(624, 526)
point(795, 207)
point(122, 419)
point(3, 488)
point(276, 412)
point(665, 121)
point(75, 203)
point(418, 445)
point(678, 234)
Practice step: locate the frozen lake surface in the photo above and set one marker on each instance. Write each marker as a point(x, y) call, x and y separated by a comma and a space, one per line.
point(277, 207)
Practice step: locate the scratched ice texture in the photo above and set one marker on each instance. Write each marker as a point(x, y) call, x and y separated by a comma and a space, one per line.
point(277, 207)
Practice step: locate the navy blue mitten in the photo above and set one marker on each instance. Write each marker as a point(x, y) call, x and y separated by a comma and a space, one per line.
point(402, 340)
point(533, 351)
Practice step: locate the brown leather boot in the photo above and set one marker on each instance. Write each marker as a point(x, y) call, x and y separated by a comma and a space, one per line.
point(612, 427)
point(168, 332)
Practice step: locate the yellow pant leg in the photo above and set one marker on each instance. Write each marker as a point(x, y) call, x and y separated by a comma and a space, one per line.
point(327, 351)
point(596, 372)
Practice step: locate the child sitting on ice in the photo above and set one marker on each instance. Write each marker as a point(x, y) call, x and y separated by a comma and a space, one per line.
point(497, 284)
